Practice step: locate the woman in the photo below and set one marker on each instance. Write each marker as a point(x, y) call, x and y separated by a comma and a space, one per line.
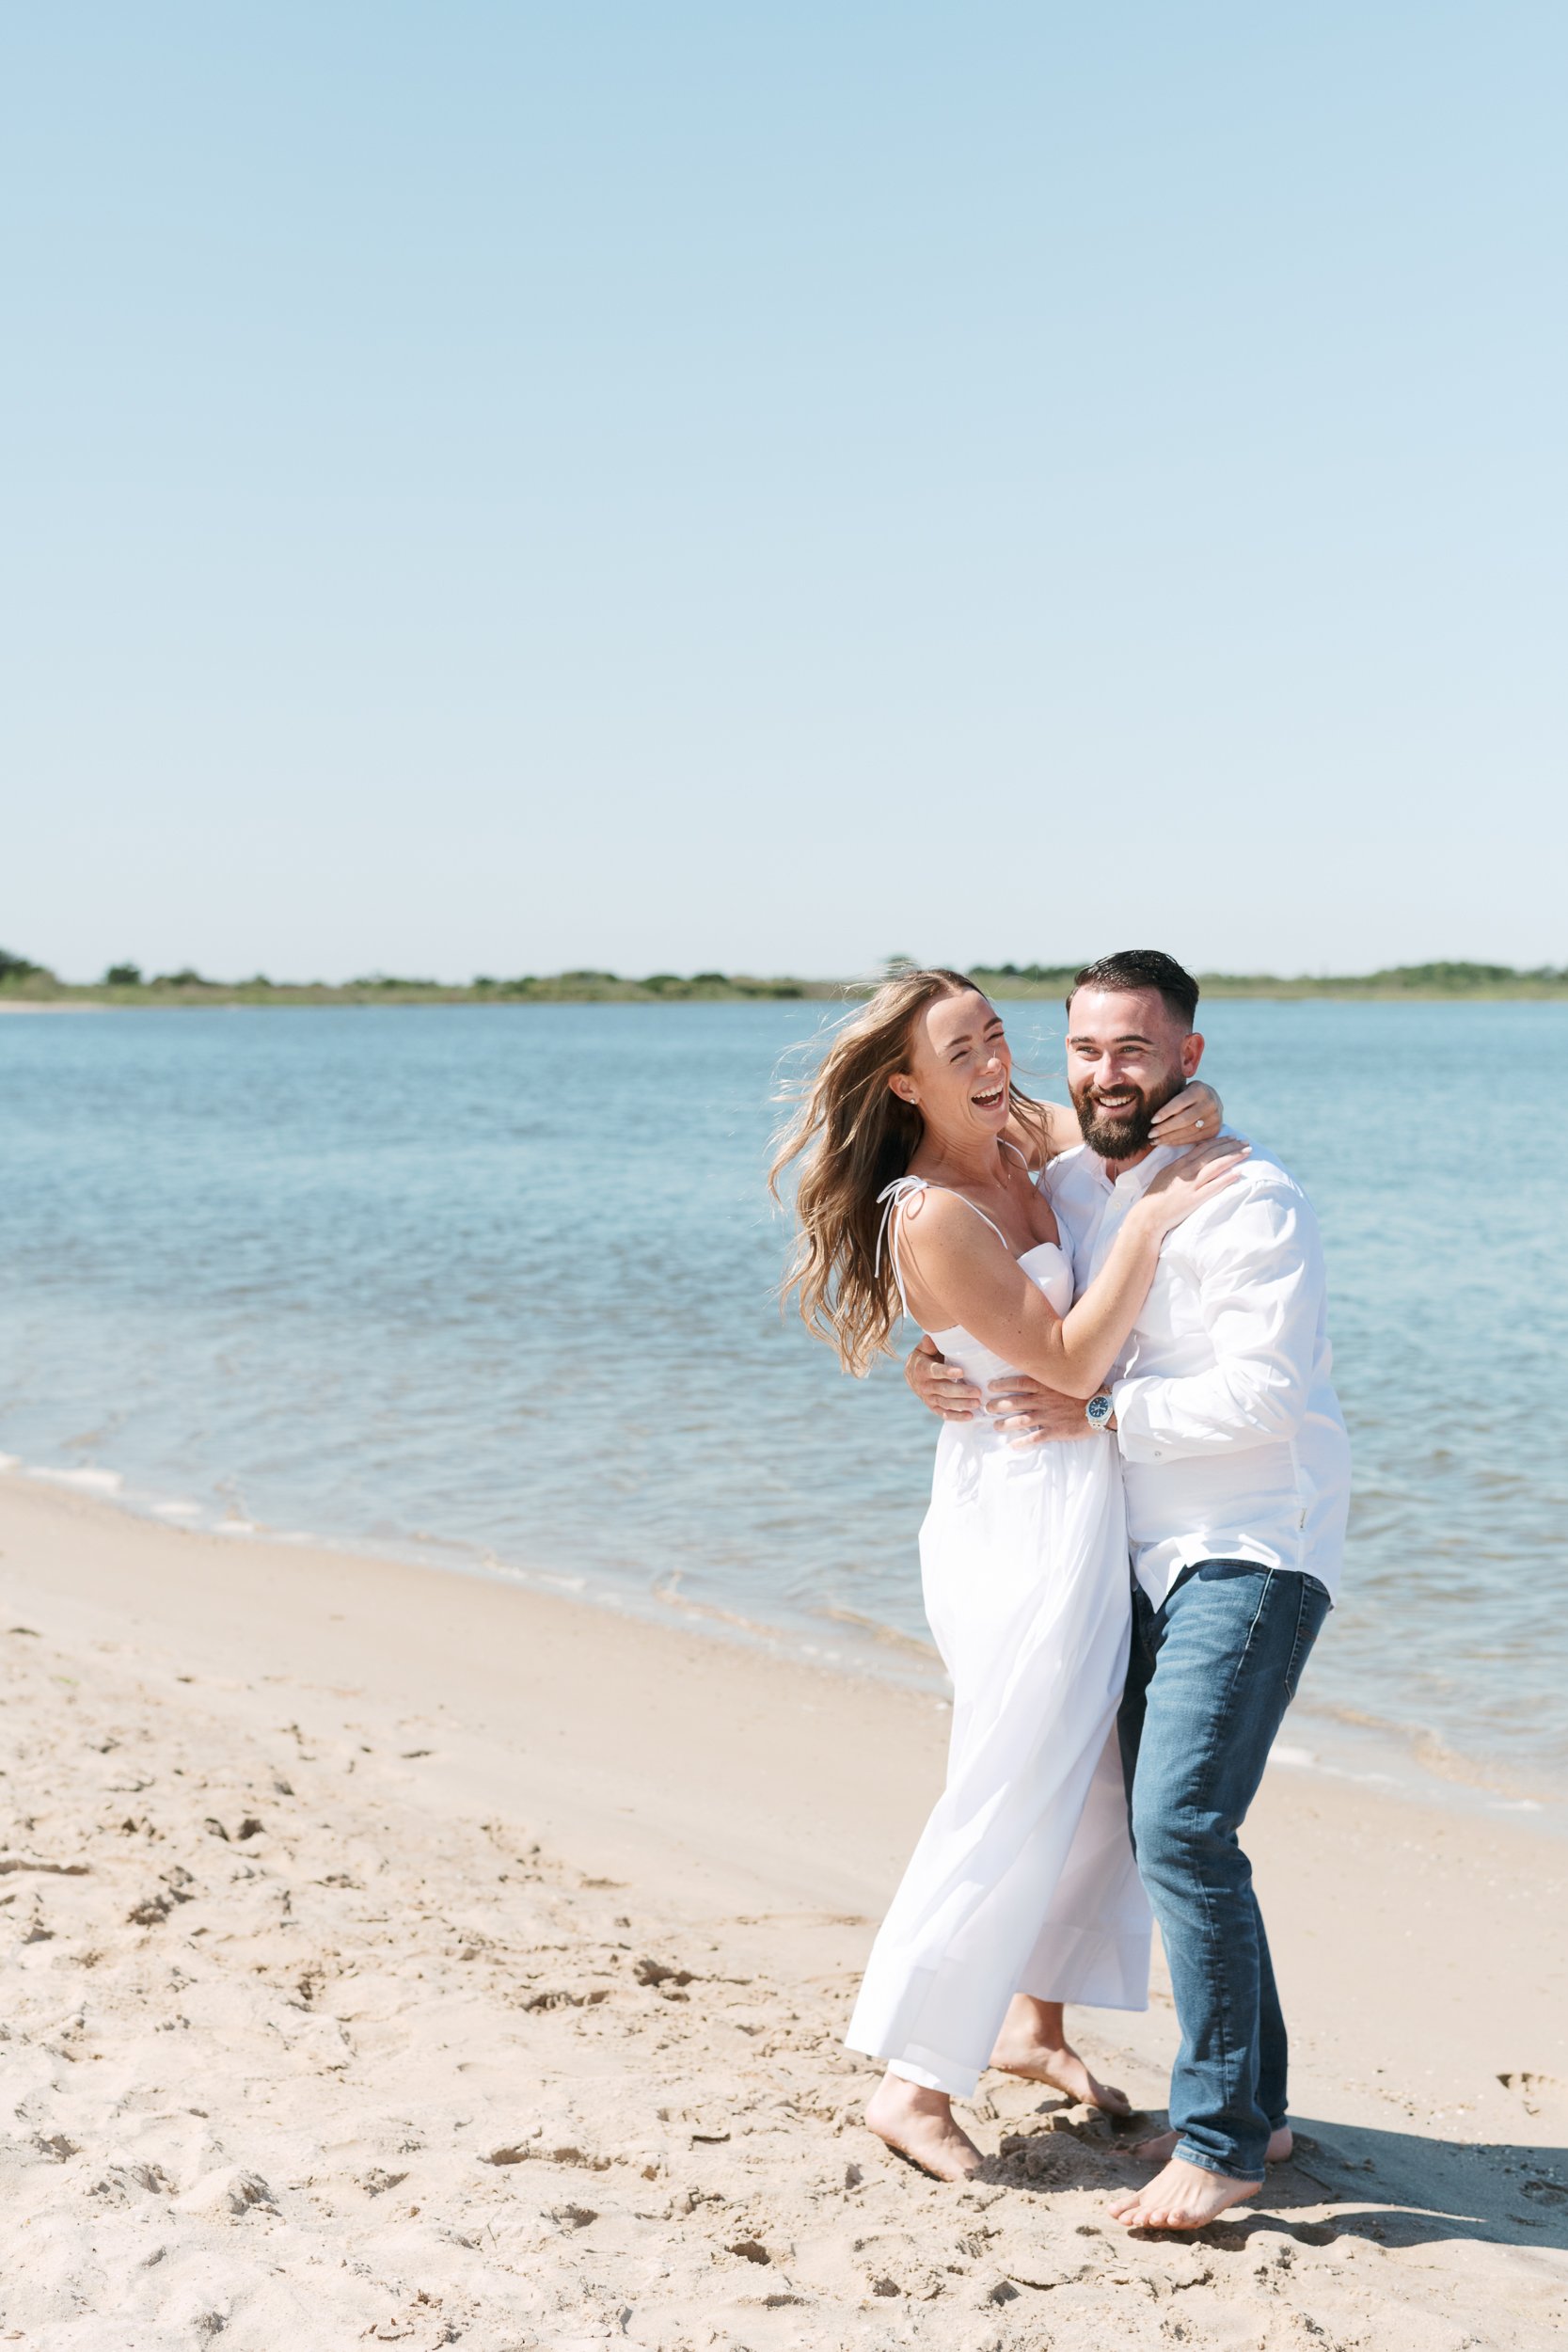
point(916, 1191)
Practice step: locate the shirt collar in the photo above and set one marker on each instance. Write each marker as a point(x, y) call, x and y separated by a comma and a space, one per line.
point(1138, 1178)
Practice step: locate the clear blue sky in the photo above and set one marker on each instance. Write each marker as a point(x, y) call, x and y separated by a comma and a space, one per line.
point(502, 486)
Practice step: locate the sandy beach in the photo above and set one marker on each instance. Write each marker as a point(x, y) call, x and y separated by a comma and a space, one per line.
point(408, 1958)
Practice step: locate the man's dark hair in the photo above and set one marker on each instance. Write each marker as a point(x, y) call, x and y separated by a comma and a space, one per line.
point(1143, 967)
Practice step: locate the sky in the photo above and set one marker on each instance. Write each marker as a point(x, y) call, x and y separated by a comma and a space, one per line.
point(497, 487)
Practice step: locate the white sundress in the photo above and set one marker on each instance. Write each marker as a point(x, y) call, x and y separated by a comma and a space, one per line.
point(1023, 1879)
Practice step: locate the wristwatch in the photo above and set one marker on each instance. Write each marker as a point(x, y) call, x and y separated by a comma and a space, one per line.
point(1099, 1412)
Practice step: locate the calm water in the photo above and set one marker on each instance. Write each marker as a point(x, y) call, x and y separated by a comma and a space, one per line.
point(493, 1286)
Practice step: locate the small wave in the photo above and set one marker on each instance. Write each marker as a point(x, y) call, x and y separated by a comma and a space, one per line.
point(1308, 1760)
point(887, 1636)
point(1426, 1748)
point(87, 1481)
point(669, 1593)
point(1296, 1759)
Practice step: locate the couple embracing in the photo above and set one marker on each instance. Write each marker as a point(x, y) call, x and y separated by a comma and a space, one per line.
point(1125, 1338)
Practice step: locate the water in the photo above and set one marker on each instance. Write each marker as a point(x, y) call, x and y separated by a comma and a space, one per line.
point(493, 1287)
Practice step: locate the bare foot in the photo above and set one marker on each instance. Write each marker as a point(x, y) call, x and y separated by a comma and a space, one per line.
point(1162, 2147)
point(919, 2124)
point(1183, 2197)
point(1061, 2069)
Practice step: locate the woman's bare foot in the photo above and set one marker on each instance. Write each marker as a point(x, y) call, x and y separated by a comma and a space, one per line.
point(919, 2124)
point(1032, 2043)
point(1161, 2149)
point(1184, 2197)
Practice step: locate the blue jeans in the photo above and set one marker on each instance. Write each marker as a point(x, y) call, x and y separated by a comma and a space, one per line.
point(1212, 1671)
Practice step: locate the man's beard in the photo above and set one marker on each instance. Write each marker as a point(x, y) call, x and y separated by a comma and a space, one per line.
point(1123, 1136)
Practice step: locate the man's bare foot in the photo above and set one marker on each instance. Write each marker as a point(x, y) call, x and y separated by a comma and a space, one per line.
point(1060, 2069)
point(1161, 2149)
point(919, 2124)
point(1183, 2197)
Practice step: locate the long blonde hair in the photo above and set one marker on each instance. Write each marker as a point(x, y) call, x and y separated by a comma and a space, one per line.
point(854, 1135)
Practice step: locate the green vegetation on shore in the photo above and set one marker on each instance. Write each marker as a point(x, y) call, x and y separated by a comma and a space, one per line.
point(1429, 981)
point(25, 982)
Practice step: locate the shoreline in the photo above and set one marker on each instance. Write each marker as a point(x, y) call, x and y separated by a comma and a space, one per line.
point(407, 1953)
point(1407, 1761)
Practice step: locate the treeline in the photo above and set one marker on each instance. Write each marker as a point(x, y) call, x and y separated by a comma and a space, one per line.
point(127, 984)
point(1399, 979)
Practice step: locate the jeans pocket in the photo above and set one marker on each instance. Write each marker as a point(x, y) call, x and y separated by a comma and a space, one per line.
point(1311, 1608)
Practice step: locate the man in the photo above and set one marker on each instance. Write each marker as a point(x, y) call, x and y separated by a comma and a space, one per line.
point(1237, 1474)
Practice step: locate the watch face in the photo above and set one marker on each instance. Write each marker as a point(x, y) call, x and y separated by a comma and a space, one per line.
point(1099, 1410)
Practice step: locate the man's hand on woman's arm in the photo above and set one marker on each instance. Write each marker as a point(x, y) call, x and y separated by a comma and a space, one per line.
point(1028, 1413)
point(941, 1386)
point(1025, 1411)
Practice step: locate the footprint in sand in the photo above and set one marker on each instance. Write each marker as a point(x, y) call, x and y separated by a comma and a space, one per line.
point(1531, 2090)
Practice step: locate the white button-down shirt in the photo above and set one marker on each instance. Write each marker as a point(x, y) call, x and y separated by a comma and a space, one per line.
point(1233, 1442)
